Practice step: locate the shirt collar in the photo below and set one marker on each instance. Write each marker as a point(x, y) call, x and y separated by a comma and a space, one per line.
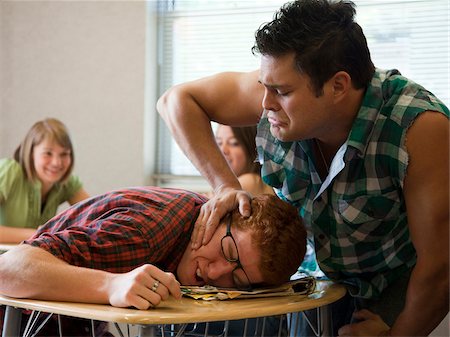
point(368, 113)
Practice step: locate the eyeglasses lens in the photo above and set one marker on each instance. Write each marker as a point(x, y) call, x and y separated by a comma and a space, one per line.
point(229, 249)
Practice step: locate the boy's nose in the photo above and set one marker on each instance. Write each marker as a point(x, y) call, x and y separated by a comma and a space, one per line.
point(220, 269)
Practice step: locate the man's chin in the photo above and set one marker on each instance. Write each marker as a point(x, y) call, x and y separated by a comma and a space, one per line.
point(283, 135)
point(279, 134)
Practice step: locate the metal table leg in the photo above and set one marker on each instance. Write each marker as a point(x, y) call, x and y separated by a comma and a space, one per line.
point(316, 322)
point(326, 323)
point(147, 330)
point(12, 320)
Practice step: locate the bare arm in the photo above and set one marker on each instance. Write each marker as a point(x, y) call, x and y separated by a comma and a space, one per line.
point(188, 109)
point(80, 195)
point(426, 192)
point(252, 183)
point(29, 272)
point(427, 199)
point(15, 234)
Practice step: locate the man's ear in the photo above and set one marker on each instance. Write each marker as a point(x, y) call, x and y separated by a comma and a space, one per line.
point(341, 84)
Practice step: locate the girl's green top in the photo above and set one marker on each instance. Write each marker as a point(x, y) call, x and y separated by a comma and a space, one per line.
point(20, 199)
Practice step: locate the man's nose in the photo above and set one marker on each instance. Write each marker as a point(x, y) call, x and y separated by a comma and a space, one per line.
point(269, 102)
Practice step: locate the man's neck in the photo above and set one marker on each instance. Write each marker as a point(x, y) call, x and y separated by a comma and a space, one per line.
point(346, 112)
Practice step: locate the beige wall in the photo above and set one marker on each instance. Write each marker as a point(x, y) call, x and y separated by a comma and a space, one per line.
point(84, 63)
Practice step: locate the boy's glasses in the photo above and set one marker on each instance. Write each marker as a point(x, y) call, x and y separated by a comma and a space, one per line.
point(231, 254)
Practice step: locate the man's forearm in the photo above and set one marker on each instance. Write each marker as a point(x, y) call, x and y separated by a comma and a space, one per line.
point(191, 128)
point(29, 272)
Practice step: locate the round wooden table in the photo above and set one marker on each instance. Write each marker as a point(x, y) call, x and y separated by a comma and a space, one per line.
point(186, 310)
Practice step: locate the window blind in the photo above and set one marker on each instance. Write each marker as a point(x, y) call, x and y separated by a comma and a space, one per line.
point(200, 38)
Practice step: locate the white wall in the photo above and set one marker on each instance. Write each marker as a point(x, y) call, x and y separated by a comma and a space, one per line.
point(84, 63)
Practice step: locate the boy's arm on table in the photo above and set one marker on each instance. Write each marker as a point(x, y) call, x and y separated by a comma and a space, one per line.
point(30, 272)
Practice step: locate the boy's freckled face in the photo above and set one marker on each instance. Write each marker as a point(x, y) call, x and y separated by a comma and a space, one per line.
point(207, 265)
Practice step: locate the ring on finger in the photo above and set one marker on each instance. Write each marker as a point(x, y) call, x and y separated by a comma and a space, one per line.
point(155, 286)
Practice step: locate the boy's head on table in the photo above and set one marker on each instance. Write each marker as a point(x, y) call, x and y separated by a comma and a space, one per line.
point(135, 242)
point(264, 249)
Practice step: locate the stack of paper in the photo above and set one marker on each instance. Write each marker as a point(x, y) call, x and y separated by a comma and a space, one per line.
point(302, 286)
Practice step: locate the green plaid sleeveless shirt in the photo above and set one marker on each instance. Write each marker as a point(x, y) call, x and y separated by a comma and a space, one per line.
point(358, 214)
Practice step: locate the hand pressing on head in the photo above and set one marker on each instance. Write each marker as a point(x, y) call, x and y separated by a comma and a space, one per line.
point(224, 201)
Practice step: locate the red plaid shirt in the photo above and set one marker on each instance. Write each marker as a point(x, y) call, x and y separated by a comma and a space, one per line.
point(123, 229)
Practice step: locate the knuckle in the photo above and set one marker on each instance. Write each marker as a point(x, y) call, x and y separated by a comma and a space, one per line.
point(156, 301)
point(146, 268)
point(164, 294)
point(146, 305)
point(139, 277)
point(171, 280)
point(129, 298)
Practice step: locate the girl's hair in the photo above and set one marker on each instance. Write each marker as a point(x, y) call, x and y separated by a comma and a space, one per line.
point(246, 137)
point(50, 129)
point(279, 233)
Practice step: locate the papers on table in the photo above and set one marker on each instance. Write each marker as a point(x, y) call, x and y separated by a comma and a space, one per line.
point(302, 286)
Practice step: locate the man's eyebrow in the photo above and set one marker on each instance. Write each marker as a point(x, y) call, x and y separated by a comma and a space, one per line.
point(272, 86)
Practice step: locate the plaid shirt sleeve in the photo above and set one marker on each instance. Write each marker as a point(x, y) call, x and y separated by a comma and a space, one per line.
point(124, 229)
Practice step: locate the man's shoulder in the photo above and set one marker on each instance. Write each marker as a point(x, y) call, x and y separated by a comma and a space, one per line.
point(405, 99)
